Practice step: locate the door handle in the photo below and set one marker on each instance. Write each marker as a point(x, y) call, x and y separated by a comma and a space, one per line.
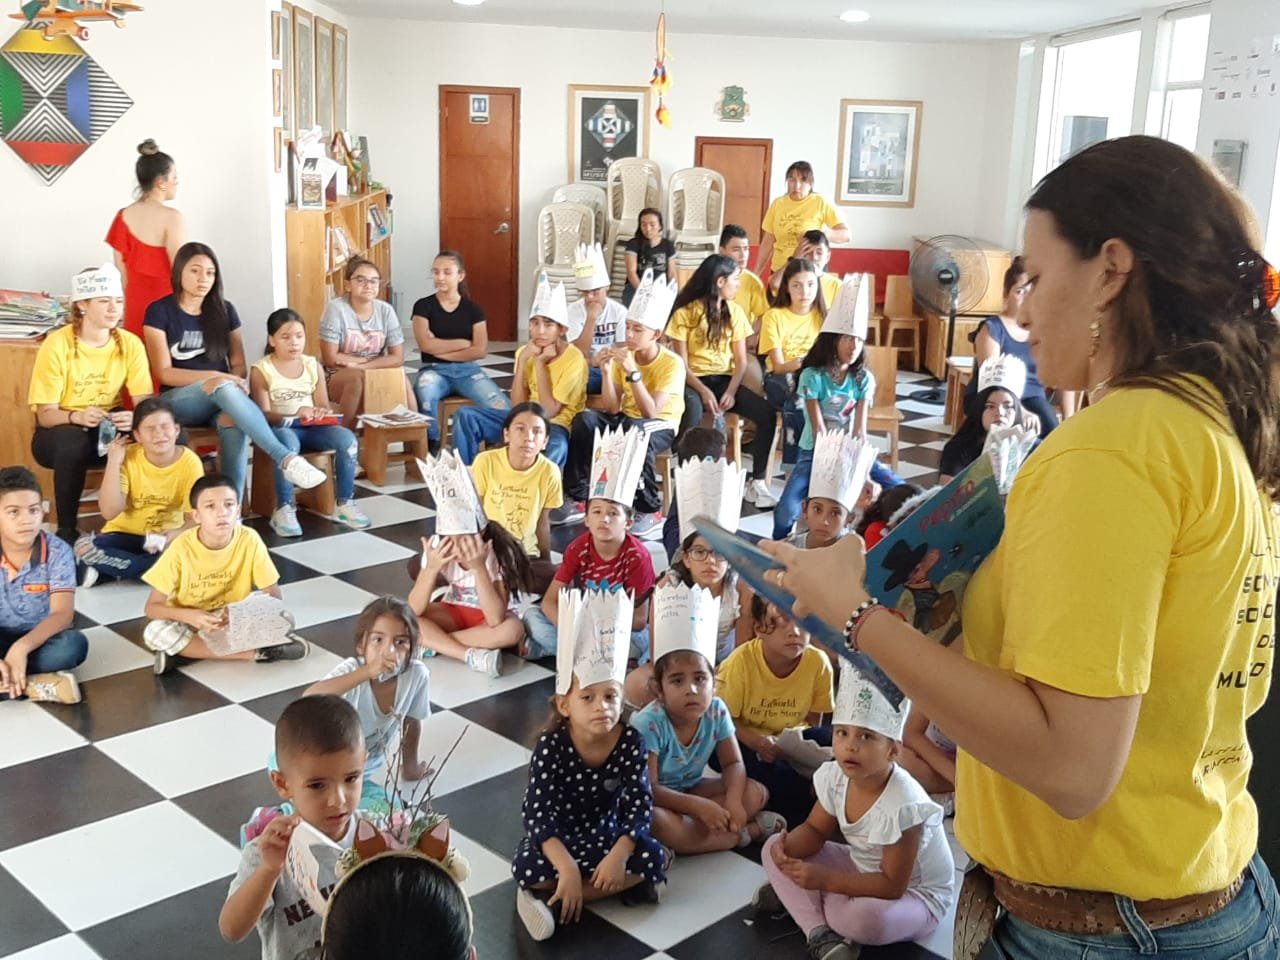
point(503, 227)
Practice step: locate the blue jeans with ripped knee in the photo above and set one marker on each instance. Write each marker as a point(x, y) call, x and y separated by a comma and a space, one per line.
point(465, 378)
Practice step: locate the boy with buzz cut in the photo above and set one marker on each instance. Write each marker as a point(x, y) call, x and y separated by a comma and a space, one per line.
point(320, 752)
point(38, 648)
point(217, 563)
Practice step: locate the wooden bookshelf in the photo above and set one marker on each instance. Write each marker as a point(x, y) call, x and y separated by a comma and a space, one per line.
point(315, 276)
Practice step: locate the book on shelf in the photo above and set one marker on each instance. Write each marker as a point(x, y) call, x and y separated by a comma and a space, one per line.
point(26, 314)
point(398, 416)
point(378, 227)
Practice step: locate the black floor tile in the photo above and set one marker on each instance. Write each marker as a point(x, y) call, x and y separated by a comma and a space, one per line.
point(272, 705)
point(391, 577)
point(313, 528)
point(24, 921)
point(409, 534)
point(519, 714)
point(419, 495)
point(291, 571)
point(224, 806)
point(922, 456)
point(130, 701)
point(489, 812)
point(336, 636)
point(743, 937)
point(132, 630)
point(910, 434)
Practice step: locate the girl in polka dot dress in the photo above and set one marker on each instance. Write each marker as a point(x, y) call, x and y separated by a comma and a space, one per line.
point(588, 807)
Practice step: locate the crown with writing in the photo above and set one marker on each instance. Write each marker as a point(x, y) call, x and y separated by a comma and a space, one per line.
point(103, 281)
point(1004, 371)
point(860, 704)
point(851, 312)
point(841, 463)
point(651, 305)
point(709, 488)
point(458, 509)
point(593, 636)
point(590, 272)
point(617, 462)
point(685, 618)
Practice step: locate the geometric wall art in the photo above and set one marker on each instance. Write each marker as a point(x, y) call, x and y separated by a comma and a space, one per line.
point(55, 101)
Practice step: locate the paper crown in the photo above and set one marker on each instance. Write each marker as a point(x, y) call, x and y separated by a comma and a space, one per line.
point(1008, 448)
point(841, 463)
point(709, 488)
point(458, 509)
point(851, 312)
point(651, 306)
point(1004, 371)
point(860, 704)
point(589, 269)
point(685, 618)
point(617, 461)
point(593, 636)
point(101, 282)
point(549, 301)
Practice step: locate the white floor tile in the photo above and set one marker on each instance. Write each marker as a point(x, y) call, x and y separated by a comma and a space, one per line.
point(242, 680)
point(397, 481)
point(110, 653)
point(487, 868)
point(69, 947)
point(917, 406)
point(700, 891)
point(108, 868)
point(909, 471)
point(322, 599)
point(932, 424)
point(912, 376)
point(933, 444)
point(194, 752)
point(383, 510)
point(481, 755)
point(660, 956)
point(30, 733)
point(346, 551)
point(113, 602)
point(760, 524)
point(454, 683)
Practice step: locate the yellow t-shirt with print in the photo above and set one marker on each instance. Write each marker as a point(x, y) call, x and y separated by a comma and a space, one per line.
point(751, 296)
point(766, 703)
point(77, 376)
point(192, 575)
point(792, 333)
point(289, 394)
point(156, 498)
point(568, 376)
point(1138, 559)
point(787, 219)
point(665, 375)
point(689, 324)
point(516, 498)
point(830, 285)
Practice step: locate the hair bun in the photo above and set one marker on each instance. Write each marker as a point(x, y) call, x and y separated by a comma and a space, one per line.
point(148, 148)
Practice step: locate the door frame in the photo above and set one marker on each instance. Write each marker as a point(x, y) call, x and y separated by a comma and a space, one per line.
point(766, 142)
point(447, 88)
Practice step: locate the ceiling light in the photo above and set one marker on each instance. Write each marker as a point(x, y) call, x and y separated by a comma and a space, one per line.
point(468, 3)
point(849, 16)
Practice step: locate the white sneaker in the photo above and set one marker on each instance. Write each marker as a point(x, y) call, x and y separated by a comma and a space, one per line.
point(349, 515)
point(758, 492)
point(285, 522)
point(536, 915)
point(488, 662)
point(302, 474)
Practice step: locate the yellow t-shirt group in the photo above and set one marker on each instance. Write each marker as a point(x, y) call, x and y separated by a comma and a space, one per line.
point(766, 703)
point(516, 498)
point(76, 376)
point(792, 333)
point(751, 296)
point(788, 219)
point(665, 375)
point(156, 498)
point(689, 324)
point(568, 376)
point(194, 576)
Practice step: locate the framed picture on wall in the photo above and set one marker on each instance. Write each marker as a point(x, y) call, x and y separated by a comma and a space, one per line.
point(275, 35)
point(304, 70)
point(605, 124)
point(324, 76)
point(879, 152)
point(286, 69)
point(339, 78)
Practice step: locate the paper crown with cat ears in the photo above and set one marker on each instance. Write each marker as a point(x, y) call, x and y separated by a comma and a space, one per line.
point(850, 314)
point(549, 301)
point(685, 618)
point(590, 272)
point(1004, 371)
point(593, 636)
point(651, 305)
point(103, 281)
point(841, 463)
point(860, 704)
point(458, 509)
point(617, 463)
point(709, 488)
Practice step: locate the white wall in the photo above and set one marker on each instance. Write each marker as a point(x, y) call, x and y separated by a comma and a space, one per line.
point(794, 88)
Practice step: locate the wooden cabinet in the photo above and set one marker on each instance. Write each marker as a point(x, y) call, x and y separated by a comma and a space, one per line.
point(17, 422)
point(996, 260)
point(935, 335)
point(315, 274)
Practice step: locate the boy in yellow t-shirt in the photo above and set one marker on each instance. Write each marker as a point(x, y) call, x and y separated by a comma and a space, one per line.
point(550, 371)
point(144, 495)
point(774, 683)
point(735, 245)
point(205, 569)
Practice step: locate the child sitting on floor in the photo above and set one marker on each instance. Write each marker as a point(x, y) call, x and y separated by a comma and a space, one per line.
point(875, 523)
point(588, 808)
point(38, 646)
point(143, 497)
point(893, 879)
point(606, 553)
point(838, 468)
point(696, 443)
point(386, 681)
point(685, 726)
point(929, 755)
point(482, 565)
point(995, 404)
point(321, 755)
point(205, 569)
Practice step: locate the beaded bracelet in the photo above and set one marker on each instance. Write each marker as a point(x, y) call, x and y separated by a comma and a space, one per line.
point(859, 616)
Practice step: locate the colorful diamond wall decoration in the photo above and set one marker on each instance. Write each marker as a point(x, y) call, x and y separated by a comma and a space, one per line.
point(54, 101)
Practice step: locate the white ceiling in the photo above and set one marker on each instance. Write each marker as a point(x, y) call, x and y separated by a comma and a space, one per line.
point(925, 20)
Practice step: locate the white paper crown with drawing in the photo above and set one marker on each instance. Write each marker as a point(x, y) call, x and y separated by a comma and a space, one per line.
point(617, 462)
point(1004, 371)
point(860, 704)
point(685, 618)
point(458, 509)
point(593, 637)
point(709, 488)
point(850, 314)
point(590, 271)
point(549, 301)
point(841, 463)
point(651, 306)
point(102, 282)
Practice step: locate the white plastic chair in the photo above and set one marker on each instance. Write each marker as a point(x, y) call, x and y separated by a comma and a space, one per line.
point(695, 207)
point(631, 184)
point(589, 195)
point(561, 227)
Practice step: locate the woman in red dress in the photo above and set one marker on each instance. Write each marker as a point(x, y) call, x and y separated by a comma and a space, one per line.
point(146, 234)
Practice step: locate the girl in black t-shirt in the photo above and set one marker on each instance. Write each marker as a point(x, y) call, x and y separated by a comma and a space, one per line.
point(648, 250)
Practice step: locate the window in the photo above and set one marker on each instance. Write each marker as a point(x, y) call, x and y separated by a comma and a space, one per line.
point(1188, 45)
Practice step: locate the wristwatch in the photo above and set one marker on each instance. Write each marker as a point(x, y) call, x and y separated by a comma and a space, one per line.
point(633, 376)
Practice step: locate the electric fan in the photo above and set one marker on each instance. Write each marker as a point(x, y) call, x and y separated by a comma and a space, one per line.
point(948, 277)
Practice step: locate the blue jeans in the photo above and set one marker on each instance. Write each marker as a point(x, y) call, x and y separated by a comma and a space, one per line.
point(1244, 928)
point(465, 378)
point(576, 472)
point(338, 439)
point(778, 391)
point(594, 380)
point(120, 556)
point(195, 408)
point(473, 426)
point(542, 637)
point(796, 491)
point(62, 651)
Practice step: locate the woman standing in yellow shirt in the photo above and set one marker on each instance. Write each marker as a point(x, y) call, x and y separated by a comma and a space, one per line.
point(790, 215)
point(709, 332)
point(1123, 630)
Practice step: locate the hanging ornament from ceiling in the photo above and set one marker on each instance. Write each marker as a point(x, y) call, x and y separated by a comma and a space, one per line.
point(661, 80)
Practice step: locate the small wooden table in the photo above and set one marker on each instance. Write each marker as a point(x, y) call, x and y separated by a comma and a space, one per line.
point(959, 373)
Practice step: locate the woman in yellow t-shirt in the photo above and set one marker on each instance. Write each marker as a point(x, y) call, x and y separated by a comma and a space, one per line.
point(80, 374)
point(1122, 632)
point(709, 332)
point(791, 214)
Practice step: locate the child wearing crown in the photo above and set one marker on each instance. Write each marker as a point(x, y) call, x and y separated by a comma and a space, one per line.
point(601, 323)
point(588, 808)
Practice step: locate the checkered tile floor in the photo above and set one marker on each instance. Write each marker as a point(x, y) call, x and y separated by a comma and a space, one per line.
point(121, 813)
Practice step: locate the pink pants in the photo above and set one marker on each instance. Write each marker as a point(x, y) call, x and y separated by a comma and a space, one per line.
point(864, 920)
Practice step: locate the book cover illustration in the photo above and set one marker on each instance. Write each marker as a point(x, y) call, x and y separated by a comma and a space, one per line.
point(312, 864)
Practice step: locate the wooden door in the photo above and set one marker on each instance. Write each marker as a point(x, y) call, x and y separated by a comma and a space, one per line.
point(746, 166)
point(479, 195)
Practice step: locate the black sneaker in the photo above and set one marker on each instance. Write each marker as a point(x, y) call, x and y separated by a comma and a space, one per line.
point(644, 892)
point(294, 649)
point(570, 512)
point(765, 902)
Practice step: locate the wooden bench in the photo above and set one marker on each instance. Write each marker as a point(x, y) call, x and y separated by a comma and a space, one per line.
point(262, 490)
point(384, 389)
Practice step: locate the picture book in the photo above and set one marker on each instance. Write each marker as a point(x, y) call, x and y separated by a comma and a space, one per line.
point(259, 620)
point(312, 864)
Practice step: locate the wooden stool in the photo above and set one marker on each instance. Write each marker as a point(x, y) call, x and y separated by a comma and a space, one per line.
point(262, 492)
point(448, 407)
point(733, 432)
point(664, 467)
point(374, 455)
